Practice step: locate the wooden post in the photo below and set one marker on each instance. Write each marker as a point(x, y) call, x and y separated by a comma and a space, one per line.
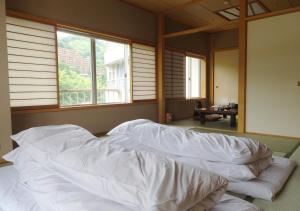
point(242, 66)
point(160, 69)
point(211, 72)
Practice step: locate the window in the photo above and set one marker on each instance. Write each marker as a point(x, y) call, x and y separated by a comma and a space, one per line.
point(49, 68)
point(92, 70)
point(75, 69)
point(195, 77)
point(112, 71)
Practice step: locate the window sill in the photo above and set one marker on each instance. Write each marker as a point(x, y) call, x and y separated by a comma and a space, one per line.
point(183, 99)
point(81, 107)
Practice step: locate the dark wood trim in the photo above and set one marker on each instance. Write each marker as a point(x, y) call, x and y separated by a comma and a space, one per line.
point(160, 69)
point(201, 29)
point(131, 72)
point(181, 99)
point(26, 110)
point(57, 72)
point(33, 108)
point(2, 161)
point(211, 72)
point(100, 133)
point(242, 67)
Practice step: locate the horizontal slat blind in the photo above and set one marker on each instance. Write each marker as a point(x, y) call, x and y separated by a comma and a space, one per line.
point(174, 63)
point(168, 73)
point(31, 63)
point(143, 72)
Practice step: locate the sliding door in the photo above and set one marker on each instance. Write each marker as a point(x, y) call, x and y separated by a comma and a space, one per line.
point(226, 66)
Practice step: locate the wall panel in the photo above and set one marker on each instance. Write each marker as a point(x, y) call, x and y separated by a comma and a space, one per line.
point(273, 71)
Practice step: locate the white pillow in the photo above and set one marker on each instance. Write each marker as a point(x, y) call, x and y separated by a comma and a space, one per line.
point(127, 127)
point(51, 133)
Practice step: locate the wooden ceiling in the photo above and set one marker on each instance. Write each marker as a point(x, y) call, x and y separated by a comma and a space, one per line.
point(195, 13)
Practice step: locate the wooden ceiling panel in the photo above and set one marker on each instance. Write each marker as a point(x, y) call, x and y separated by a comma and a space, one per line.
point(275, 5)
point(186, 18)
point(152, 5)
point(215, 5)
point(205, 15)
point(195, 13)
point(174, 3)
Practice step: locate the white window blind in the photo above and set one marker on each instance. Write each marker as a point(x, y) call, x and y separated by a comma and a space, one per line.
point(143, 72)
point(174, 63)
point(32, 68)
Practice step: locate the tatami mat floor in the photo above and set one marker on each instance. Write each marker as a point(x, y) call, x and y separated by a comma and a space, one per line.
point(221, 124)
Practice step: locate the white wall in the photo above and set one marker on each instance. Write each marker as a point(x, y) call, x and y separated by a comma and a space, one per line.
point(226, 67)
point(273, 70)
point(5, 119)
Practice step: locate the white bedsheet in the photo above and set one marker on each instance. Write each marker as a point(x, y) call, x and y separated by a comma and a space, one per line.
point(13, 195)
point(8, 179)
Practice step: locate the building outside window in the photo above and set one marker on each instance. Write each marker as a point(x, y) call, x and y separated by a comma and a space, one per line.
point(92, 70)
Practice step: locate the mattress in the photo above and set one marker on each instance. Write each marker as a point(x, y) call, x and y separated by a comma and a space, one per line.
point(15, 197)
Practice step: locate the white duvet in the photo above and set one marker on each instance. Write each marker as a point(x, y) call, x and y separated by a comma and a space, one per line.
point(16, 197)
point(232, 172)
point(139, 180)
point(263, 178)
point(205, 146)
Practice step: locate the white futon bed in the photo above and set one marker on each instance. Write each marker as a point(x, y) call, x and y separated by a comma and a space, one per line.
point(15, 197)
point(139, 166)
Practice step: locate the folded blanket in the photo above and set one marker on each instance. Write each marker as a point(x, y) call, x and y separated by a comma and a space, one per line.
point(138, 180)
point(268, 183)
point(205, 146)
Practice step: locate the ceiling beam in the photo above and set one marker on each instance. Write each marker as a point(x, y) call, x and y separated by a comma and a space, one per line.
point(201, 29)
point(180, 6)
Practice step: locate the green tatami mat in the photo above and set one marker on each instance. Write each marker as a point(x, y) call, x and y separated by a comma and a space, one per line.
point(277, 144)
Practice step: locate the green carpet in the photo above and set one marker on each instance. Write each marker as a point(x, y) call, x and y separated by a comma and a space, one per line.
point(275, 143)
